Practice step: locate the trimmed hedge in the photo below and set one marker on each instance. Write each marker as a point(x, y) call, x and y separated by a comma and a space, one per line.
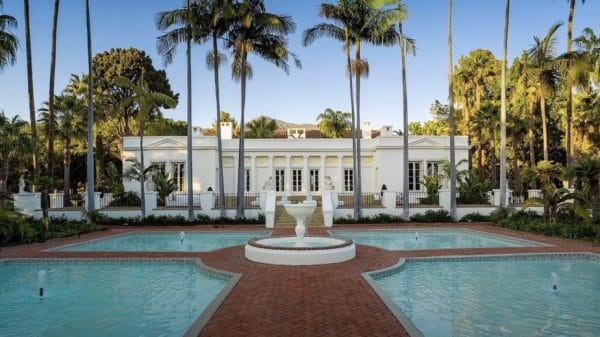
point(178, 220)
point(377, 219)
point(432, 216)
point(566, 227)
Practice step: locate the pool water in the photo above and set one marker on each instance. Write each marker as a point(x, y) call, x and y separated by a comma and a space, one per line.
point(104, 298)
point(404, 239)
point(165, 242)
point(310, 244)
point(498, 296)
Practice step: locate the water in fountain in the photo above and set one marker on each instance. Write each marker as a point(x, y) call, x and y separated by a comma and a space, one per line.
point(554, 281)
point(181, 236)
point(42, 278)
point(416, 236)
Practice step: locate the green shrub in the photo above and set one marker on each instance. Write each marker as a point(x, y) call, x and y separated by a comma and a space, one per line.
point(125, 199)
point(15, 227)
point(432, 216)
point(178, 220)
point(501, 213)
point(475, 217)
point(381, 218)
point(566, 228)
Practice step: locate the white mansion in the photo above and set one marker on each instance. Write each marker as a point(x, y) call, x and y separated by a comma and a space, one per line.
point(297, 164)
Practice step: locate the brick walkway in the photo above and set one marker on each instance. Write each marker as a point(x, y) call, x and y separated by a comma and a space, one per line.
point(328, 300)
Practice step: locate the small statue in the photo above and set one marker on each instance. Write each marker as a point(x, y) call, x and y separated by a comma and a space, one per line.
point(328, 184)
point(269, 184)
point(21, 185)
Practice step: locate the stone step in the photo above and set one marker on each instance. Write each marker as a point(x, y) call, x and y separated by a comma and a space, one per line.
point(282, 219)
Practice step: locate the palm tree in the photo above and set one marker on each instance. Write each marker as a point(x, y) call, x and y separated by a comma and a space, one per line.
point(334, 124)
point(339, 30)
point(451, 118)
point(15, 144)
point(208, 19)
point(503, 110)
point(545, 74)
point(51, 91)
point(407, 45)
point(569, 86)
point(261, 127)
point(8, 41)
point(253, 30)
point(32, 118)
point(147, 101)
point(586, 170)
point(91, 186)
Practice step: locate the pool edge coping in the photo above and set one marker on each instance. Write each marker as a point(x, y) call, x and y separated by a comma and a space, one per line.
point(408, 325)
point(205, 316)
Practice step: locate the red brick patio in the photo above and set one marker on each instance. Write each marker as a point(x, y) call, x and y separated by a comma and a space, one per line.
point(329, 300)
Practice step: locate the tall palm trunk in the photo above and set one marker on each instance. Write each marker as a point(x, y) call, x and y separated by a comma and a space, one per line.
point(544, 126)
point(51, 92)
point(142, 168)
point(531, 137)
point(190, 172)
point(569, 86)
point(480, 158)
point(503, 111)
point(515, 162)
point(451, 118)
point(358, 181)
point(67, 172)
point(32, 118)
point(353, 121)
point(241, 172)
point(219, 141)
point(90, 116)
point(405, 192)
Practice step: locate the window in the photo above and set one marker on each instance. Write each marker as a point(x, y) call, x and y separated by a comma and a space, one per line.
point(348, 180)
point(178, 173)
point(297, 180)
point(247, 182)
point(433, 167)
point(414, 176)
point(161, 167)
point(314, 180)
point(279, 180)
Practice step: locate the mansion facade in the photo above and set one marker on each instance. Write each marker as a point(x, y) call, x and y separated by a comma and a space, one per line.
point(295, 165)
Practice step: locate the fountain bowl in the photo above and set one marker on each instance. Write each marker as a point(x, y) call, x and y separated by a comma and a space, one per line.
point(313, 251)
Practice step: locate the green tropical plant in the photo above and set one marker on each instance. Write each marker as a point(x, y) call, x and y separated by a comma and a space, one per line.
point(146, 101)
point(545, 74)
point(126, 199)
point(334, 124)
point(553, 199)
point(8, 41)
point(164, 185)
point(15, 145)
point(261, 127)
point(432, 184)
point(254, 30)
point(586, 172)
point(472, 189)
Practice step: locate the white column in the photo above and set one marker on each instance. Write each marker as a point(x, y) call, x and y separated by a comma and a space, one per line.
point(253, 174)
point(305, 176)
point(288, 174)
point(271, 169)
point(341, 173)
point(322, 173)
point(235, 172)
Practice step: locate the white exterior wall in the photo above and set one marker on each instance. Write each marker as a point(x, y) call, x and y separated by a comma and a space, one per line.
point(382, 159)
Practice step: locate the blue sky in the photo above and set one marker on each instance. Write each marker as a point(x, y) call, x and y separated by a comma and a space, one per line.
point(306, 92)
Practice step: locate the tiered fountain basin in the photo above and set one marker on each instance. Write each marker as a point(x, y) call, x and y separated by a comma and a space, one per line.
point(300, 250)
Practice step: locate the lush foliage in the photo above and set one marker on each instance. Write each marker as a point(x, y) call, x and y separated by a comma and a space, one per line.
point(167, 220)
point(565, 226)
point(376, 219)
point(431, 216)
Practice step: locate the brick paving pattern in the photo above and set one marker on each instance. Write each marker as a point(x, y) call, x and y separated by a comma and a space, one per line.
point(327, 300)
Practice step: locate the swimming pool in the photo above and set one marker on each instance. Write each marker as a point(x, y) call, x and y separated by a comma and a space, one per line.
point(426, 238)
point(108, 297)
point(495, 295)
point(165, 242)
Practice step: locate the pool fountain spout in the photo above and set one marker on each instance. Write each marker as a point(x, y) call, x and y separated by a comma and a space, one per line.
point(181, 236)
point(416, 236)
point(42, 278)
point(554, 281)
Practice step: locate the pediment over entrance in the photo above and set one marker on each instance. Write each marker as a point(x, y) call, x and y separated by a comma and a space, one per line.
point(425, 142)
point(165, 143)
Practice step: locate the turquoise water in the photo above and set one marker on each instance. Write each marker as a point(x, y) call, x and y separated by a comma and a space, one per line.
point(429, 239)
point(499, 297)
point(306, 244)
point(165, 242)
point(103, 298)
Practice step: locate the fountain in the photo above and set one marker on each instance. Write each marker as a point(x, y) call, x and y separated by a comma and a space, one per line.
point(181, 236)
point(300, 249)
point(554, 281)
point(416, 236)
point(42, 278)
